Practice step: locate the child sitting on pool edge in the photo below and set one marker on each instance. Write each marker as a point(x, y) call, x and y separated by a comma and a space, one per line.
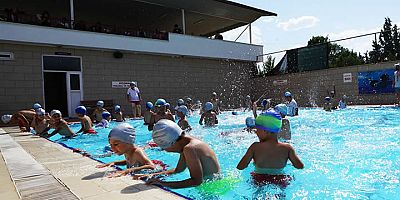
point(86, 122)
point(122, 139)
point(270, 156)
point(194, 154)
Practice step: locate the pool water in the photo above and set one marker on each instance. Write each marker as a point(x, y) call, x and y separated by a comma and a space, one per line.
point(348, 154)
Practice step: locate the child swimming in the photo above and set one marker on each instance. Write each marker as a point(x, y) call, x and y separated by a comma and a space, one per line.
point(122, 142)
point(161, 113)
point(148, 113)
point(285, 132)
point(291, 104)
point(269, 155)
point(183, 123)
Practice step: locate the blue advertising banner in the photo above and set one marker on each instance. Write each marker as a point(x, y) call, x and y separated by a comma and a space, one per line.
point(376, 82)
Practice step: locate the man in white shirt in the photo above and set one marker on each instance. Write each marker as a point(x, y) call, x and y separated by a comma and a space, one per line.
point(291, 105)
point(133, 96)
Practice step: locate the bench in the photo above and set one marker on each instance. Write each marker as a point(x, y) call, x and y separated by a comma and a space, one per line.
point(92, 104)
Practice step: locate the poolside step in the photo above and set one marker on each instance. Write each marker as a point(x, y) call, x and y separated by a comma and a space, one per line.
point(32, 180)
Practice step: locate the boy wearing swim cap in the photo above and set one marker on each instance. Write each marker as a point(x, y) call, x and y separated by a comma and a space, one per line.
point(119, 117)
point(269, 155)
point(285, 132)
point(40, 122)
point(148, 113)
point(60, 125)
point(122, 139)
point(291, 104)
point(105, 121)
point(216, 103)
point(328, 104)
point(194, 154)
point(181, 112)
point(209, 116)
point(98, 111)
point(86, 122)
point(161, 113)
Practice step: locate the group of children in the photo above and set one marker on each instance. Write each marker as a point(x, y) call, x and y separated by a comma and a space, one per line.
point(269, 155)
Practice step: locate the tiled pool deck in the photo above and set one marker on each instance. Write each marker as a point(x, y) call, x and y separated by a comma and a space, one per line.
point(35, 168)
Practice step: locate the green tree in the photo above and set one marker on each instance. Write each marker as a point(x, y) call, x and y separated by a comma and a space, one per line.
point(269, 64)
point(376, 54)
point(386, 41)
point(396, 42)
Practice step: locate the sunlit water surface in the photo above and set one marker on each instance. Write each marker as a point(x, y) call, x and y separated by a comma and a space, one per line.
point(348, 154)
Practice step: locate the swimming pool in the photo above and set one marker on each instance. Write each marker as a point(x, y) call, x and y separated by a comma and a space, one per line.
point(348, 154)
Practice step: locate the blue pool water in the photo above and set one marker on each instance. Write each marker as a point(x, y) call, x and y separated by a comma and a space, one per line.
point(348, 154)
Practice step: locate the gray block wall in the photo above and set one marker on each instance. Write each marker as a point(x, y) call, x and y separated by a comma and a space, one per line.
point(169, 77)
point(310, 88)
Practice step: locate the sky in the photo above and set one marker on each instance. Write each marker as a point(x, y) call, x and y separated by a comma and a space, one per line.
point(299, 20)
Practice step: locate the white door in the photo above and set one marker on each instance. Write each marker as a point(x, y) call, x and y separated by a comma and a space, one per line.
point(74, 91)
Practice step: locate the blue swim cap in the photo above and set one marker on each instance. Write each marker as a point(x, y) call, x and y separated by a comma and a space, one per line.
point(265, 102)
point(208, 106)
point(288, 94)
point(100, 103)
point(105, 115)
point(270, 121)
point(117, 108)
point(160, 102)
point(250, 122)
point(327, 98)
point(36, 106)
point(149, 105)
point(182, 109)
point(167, 104)
point(234, 113)
point(80, 110)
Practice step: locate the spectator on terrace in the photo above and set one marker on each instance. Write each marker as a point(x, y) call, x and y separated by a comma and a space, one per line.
point(141, 32)
point(218, 37)
point(63, 23)
point(44, 18)
point(177, 29)
point(12, 14)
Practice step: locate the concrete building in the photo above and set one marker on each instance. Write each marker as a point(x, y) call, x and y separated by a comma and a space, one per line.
point(59, 53)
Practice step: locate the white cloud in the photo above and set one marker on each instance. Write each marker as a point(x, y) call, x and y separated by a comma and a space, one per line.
point(245, 38)
point(299, 23)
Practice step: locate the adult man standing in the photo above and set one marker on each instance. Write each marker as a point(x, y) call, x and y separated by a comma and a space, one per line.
point(133, 96)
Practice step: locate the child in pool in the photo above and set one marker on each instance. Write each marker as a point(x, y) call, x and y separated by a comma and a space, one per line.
point(270, 156)
point(161, 113)
point(86, 122)
point(60, 125)
point(40, 122)
point(122, 139)
point(105, 121)
point(119, 117)
point(96, 116)
point(328, 104)
point(183, 123)
point(209, 116)
point(285, 132)
point(343, 102)
point(148, 113)
point(194, 154)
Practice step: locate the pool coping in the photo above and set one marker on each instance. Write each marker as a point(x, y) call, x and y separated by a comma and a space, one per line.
point(78, 173)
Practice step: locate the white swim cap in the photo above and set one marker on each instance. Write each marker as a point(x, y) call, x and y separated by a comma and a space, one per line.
point(288, 94)
point(6, 118)
point(214, 94)
point(36, 106)
point(166, 133)
point(40, 111)
point(208, 106)
point(180, 102)
point(182, 109)
point(100, 103)
point(53, 112)
point(281, 108)
point(123, 132)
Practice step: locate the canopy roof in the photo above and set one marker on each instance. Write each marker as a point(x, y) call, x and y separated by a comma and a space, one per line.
point(202, 17)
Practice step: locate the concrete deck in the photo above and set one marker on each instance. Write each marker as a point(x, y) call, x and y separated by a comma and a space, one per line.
point(77, 174)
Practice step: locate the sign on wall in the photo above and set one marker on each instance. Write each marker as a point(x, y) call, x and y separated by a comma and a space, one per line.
point(122, 84)
point(376, 82)
point(347, 78)
point(280, 82)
